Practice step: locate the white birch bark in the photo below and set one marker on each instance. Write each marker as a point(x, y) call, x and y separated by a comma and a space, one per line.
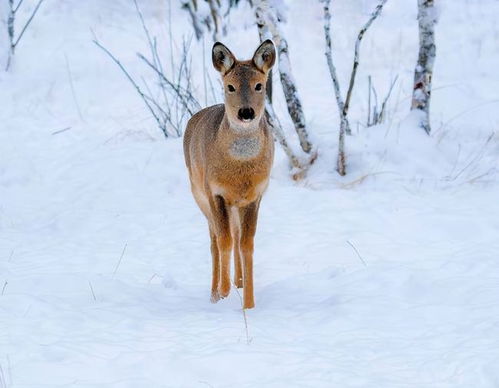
point(341, 159)
point(426, 58)
point(344, 125)
point(329, 58)
point(273, 120)
point(265, 15)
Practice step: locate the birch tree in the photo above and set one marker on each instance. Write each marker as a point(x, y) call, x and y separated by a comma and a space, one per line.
point(266, 18)
point(343, 105)
point(273, 120)
point(426, 58)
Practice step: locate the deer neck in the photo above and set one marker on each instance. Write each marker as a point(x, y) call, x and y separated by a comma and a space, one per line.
point(243, 142)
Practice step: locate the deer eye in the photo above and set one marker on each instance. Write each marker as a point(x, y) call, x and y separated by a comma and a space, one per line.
point(258, 87)
point(231, 88)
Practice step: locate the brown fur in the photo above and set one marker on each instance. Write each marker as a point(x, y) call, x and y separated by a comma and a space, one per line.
point(229, 161)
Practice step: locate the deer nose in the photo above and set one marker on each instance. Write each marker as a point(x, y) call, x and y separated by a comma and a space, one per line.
point(246, 114)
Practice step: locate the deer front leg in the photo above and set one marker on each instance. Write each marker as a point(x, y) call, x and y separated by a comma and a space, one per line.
point(238, 270)
point(215, 278)
point(235, 230)
point(224, 242)
point(248, 216)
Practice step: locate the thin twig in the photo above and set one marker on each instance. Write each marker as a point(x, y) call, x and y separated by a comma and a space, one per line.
point(92, 289)
point(70, 76)
point(121, 257)
point(154, 50)
point(383, 105)
point(368, 101)
point(357, 252)
point(478, 156)
point(378, 117)
point(18, 5)
point(184, 94)
point(11, 255)
point(28, 22)
point(4, 285)
point(152, 277)
point(248, 339)
point(61, 130)
point(137, 88)
point(465, 112)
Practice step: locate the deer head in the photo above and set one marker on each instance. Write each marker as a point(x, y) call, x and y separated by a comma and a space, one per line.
point(244, 83)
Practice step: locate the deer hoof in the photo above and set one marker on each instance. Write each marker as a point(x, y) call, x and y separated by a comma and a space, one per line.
point(215, 297)
point(224, 290)
point(249, 305)
point(238, 283)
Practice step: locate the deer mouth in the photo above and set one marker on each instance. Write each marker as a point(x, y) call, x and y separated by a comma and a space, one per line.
point(246, 114)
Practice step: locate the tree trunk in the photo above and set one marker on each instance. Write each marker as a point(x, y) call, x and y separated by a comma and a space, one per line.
point(332, 68)
point(426, 58)
point(267, 20)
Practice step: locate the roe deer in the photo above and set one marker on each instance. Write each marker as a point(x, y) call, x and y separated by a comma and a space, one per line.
point(229, 150)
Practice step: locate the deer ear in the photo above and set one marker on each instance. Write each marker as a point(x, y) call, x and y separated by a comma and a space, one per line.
point(223, 59)
point(264, 57)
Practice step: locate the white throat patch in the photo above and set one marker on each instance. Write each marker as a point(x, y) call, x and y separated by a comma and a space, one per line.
point(245, 147)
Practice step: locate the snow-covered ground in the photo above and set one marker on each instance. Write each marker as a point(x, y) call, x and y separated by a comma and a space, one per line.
point(388, 277)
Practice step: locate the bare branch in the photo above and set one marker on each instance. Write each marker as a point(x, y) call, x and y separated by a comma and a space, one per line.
point(92, 289)
point(145, 98)
point(357, 252)
point(18, 5)
point(70, 77)
point(28, 22)
point(121, 258)
point(189, 101)
point(373, 17)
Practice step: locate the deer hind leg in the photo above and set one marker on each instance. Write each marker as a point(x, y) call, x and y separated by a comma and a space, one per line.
point(221, 222)
point(249, 217)
point(235, 228)
point(204, 204)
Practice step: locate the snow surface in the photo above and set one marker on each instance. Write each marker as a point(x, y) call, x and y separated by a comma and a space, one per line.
point(388, 277)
